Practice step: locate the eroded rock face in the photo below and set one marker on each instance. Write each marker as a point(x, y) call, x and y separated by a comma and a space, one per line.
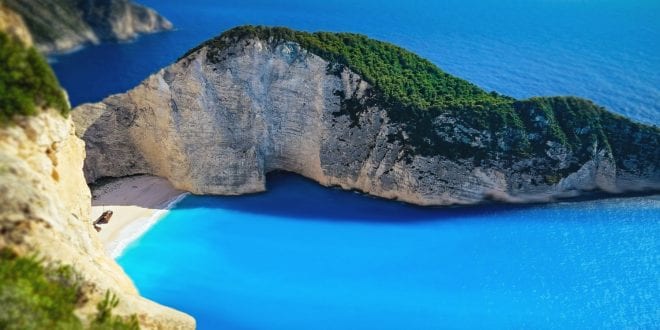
point(217, 124)
point(63, 25)
point(46, 207)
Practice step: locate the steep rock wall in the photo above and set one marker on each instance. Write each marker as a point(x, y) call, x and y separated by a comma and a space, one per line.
point(46, 208)
point(217, 124)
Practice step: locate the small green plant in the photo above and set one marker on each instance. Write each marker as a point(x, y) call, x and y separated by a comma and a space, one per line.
point(36, 295)
point(105, 320)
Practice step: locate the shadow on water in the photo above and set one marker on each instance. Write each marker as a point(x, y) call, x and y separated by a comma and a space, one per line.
point(293, 196)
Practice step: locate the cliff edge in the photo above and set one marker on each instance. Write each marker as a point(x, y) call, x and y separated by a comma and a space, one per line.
point(349, 111)
point(46, 203)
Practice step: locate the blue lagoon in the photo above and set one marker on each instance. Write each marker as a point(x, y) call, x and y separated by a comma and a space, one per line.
point(301, 256)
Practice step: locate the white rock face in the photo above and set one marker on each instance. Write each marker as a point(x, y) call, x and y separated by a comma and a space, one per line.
point(217, 127)
point(46, 207)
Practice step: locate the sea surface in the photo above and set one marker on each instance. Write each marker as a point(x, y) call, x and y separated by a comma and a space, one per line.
point(305, 257)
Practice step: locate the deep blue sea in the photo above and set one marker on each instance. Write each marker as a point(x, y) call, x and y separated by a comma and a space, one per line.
point(305, 257)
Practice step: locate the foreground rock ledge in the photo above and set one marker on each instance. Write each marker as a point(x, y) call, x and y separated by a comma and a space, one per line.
point(46, 208)
point(217, 127)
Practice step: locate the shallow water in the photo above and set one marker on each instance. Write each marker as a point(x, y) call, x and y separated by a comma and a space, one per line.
point(305, 257)
point(606, 50)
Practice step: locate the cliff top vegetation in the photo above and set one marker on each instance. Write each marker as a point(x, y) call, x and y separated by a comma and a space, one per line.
point(27, 83)
point(415, 92)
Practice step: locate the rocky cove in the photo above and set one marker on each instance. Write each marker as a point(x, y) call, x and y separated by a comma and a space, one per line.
point(229, 112)
point(219, 119)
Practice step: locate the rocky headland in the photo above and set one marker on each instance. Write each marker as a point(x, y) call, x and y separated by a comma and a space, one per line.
point(352, 112)
point(63, 25)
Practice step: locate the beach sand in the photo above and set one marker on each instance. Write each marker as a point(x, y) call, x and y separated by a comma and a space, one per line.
point(137, 203)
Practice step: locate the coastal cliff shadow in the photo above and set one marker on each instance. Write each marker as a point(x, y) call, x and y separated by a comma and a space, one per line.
point(293, 196)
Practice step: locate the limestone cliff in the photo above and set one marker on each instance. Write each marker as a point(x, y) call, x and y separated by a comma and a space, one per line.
point(63, 25)
point(244, 104)
point(46, 210)
point(45, 201)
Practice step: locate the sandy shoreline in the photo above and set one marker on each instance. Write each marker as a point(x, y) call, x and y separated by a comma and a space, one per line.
point(137, 203)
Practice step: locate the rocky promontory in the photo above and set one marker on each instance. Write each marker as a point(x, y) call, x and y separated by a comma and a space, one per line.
point(349, 111)
point(63, 25)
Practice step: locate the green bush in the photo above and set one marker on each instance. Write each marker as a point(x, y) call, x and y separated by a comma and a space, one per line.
point(38, 296)
point(27, 83)
point(399, 75)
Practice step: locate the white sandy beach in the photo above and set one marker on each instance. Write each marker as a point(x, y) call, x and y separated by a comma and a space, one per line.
point(137, 203)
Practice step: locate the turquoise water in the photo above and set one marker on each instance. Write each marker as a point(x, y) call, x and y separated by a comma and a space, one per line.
point(306, 257)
